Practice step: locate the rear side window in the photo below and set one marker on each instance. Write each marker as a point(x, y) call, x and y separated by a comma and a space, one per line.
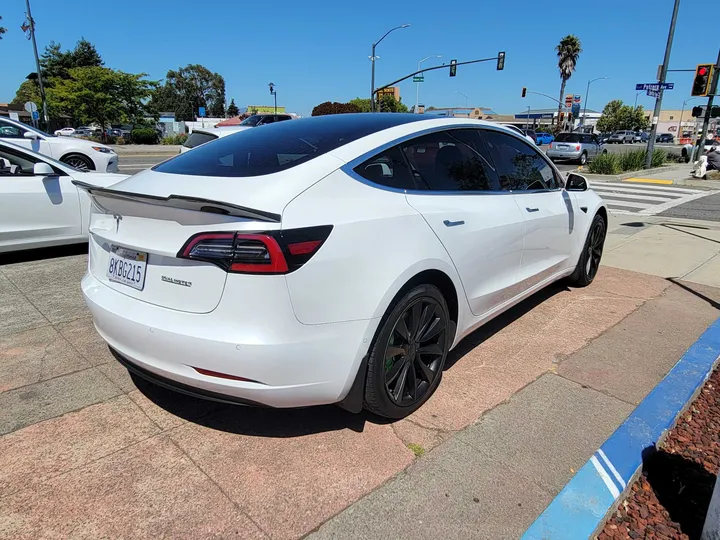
point(586, 139)
point(568, 137)
point(197, 138)
point(451, 161)
point(387, 169)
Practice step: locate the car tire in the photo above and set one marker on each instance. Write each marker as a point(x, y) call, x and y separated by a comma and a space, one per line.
point(591, 254)
point(78, 161)
point(583, 159)
point(400, 378)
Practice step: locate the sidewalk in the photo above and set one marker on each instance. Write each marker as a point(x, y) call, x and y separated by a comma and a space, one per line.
point(145, 149)
point(492, 479)
point(678, 174)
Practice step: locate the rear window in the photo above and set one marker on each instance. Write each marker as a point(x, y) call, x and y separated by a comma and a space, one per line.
point(568, 137)
point(197, 138)
point(279, 146)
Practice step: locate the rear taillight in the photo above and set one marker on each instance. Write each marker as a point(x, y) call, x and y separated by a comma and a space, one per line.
point(274, 252)
point(577, 147)
point(550, 146)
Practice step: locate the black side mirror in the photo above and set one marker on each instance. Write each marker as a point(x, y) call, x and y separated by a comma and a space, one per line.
point(576, 182)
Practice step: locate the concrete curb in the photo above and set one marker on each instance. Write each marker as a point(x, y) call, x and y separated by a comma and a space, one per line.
point(634, 174)
point(580, 509)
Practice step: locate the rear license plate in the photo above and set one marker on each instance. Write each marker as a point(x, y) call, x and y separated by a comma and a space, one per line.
point(562, 146)
point(127, 267)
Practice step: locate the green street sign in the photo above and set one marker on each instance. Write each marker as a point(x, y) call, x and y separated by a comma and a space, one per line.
point(421, 78)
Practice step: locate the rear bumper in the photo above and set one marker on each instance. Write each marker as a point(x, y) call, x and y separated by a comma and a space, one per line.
point(562, 154)
point(286, 363)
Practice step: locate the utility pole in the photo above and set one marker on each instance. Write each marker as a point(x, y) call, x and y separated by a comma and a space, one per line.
point(658, 100)
point(706, 120)
point(37, 64)
point(373, 57)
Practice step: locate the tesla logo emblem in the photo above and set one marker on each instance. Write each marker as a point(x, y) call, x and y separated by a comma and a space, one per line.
point(118, 219)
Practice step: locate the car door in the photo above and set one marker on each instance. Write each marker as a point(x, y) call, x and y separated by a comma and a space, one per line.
point(481, 228)
point(548, 210)
point(15, 134)
point(35, 208)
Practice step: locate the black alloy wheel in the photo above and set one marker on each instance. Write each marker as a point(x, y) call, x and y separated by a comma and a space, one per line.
point(79, 162)
point(595, 248)
point(414, 352)
point(407, 357)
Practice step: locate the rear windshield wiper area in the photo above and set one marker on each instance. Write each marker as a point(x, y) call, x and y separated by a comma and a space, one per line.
point(182, 202)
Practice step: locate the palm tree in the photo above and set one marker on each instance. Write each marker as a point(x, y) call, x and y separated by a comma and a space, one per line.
point(568, 51)
point(2, 30)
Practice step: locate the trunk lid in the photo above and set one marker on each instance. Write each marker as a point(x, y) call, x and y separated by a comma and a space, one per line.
point(145, 225)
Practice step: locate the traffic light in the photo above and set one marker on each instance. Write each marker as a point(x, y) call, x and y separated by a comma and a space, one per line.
point(697, 112)
point(501, 61)
point(562, 117)
point(524, 91)
point(701, 82)
point(453, 68)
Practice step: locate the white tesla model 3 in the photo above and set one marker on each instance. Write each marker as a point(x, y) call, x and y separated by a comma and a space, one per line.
point(333, 259)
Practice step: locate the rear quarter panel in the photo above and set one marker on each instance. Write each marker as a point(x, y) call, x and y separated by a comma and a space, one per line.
point(378, 243)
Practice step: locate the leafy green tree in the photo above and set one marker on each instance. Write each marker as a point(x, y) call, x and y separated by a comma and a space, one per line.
point(617, 116)
point(56, 63)
point(390, 104)
point(187, 89)
point(334, 108)
point(361, 103)
point(232, 109)
point(101, 95)
point(568, 52)
point(28, 91)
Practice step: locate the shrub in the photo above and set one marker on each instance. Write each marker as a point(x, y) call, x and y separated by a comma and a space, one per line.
point(605, 164)
point(174, 139)
point(335, 108)
point(120, 141)
point(144, 136)
point(659, 157)
point(633, 160)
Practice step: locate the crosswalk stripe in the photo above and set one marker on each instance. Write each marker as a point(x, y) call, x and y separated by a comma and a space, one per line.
point(645, 188)
point(636, 197)
point(625, 204)
point(638, 191)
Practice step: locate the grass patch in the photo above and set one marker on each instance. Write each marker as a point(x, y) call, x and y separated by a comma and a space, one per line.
point(626, 161)
point(418, 450)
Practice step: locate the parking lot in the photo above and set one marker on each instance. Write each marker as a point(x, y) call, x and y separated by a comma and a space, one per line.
point(90, 452)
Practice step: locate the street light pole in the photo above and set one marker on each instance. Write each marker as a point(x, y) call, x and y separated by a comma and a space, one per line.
point(463, 95)
point(682, 111)
point(663, 74)
point(37, 64)
point(273, 92)
point(417, 95)
point(636, 96)
point(372, 60)
point(587, 94)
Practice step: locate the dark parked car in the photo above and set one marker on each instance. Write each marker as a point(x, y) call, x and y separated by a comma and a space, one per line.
point(665, 138)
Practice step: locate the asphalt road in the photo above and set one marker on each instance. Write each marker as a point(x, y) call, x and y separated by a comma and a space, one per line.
point(707, 208)
point(135, 164)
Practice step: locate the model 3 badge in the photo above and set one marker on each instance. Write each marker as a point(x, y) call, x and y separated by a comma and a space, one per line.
point(174, 281)
point(118, 219)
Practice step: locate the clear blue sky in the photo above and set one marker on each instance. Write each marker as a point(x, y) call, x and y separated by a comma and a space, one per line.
point(318, 50)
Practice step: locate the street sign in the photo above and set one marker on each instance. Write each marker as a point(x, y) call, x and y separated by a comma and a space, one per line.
point(35, 115)
point(653, 93)
point(577, 98)
point(420, 78)
point(568, 100)
point(576, 110)
point(14, 116)
point(655, 86)
point(30, 107)
point(201, 111)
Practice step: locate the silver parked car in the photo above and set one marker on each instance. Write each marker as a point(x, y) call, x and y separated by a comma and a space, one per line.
point(580, 147)
point(622, 137)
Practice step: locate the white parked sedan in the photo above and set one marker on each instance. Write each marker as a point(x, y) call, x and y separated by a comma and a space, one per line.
point(334, 259)
point(78, 153)
point(65, 132)
point(39, 205)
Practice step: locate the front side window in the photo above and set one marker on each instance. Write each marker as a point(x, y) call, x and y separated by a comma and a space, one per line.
point(522, 168)
point(451, 161)
point(13, 162)
point(388, 169)
point(196, 138)
point(10, 131)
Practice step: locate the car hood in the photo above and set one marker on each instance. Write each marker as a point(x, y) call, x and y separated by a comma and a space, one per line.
point(100, 179)
point(82, 143)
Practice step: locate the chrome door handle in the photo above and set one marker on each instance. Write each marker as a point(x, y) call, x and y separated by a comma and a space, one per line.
point(531, 209)
point(449, 223)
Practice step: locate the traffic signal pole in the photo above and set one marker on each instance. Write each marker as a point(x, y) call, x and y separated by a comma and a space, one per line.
point(658, 100)
point(706, 121)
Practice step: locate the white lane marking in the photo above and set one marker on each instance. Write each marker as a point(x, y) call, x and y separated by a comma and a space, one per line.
point(612, 468)
point(639, 191)
point(666, 206)
point(649, 186)
point(611, 194)
point(612, 488)
point(613, 202)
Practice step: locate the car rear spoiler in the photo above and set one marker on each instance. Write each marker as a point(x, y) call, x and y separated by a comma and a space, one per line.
point(182, 202)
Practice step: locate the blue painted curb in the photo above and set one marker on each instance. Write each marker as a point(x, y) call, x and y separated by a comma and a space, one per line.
point(583, 503)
